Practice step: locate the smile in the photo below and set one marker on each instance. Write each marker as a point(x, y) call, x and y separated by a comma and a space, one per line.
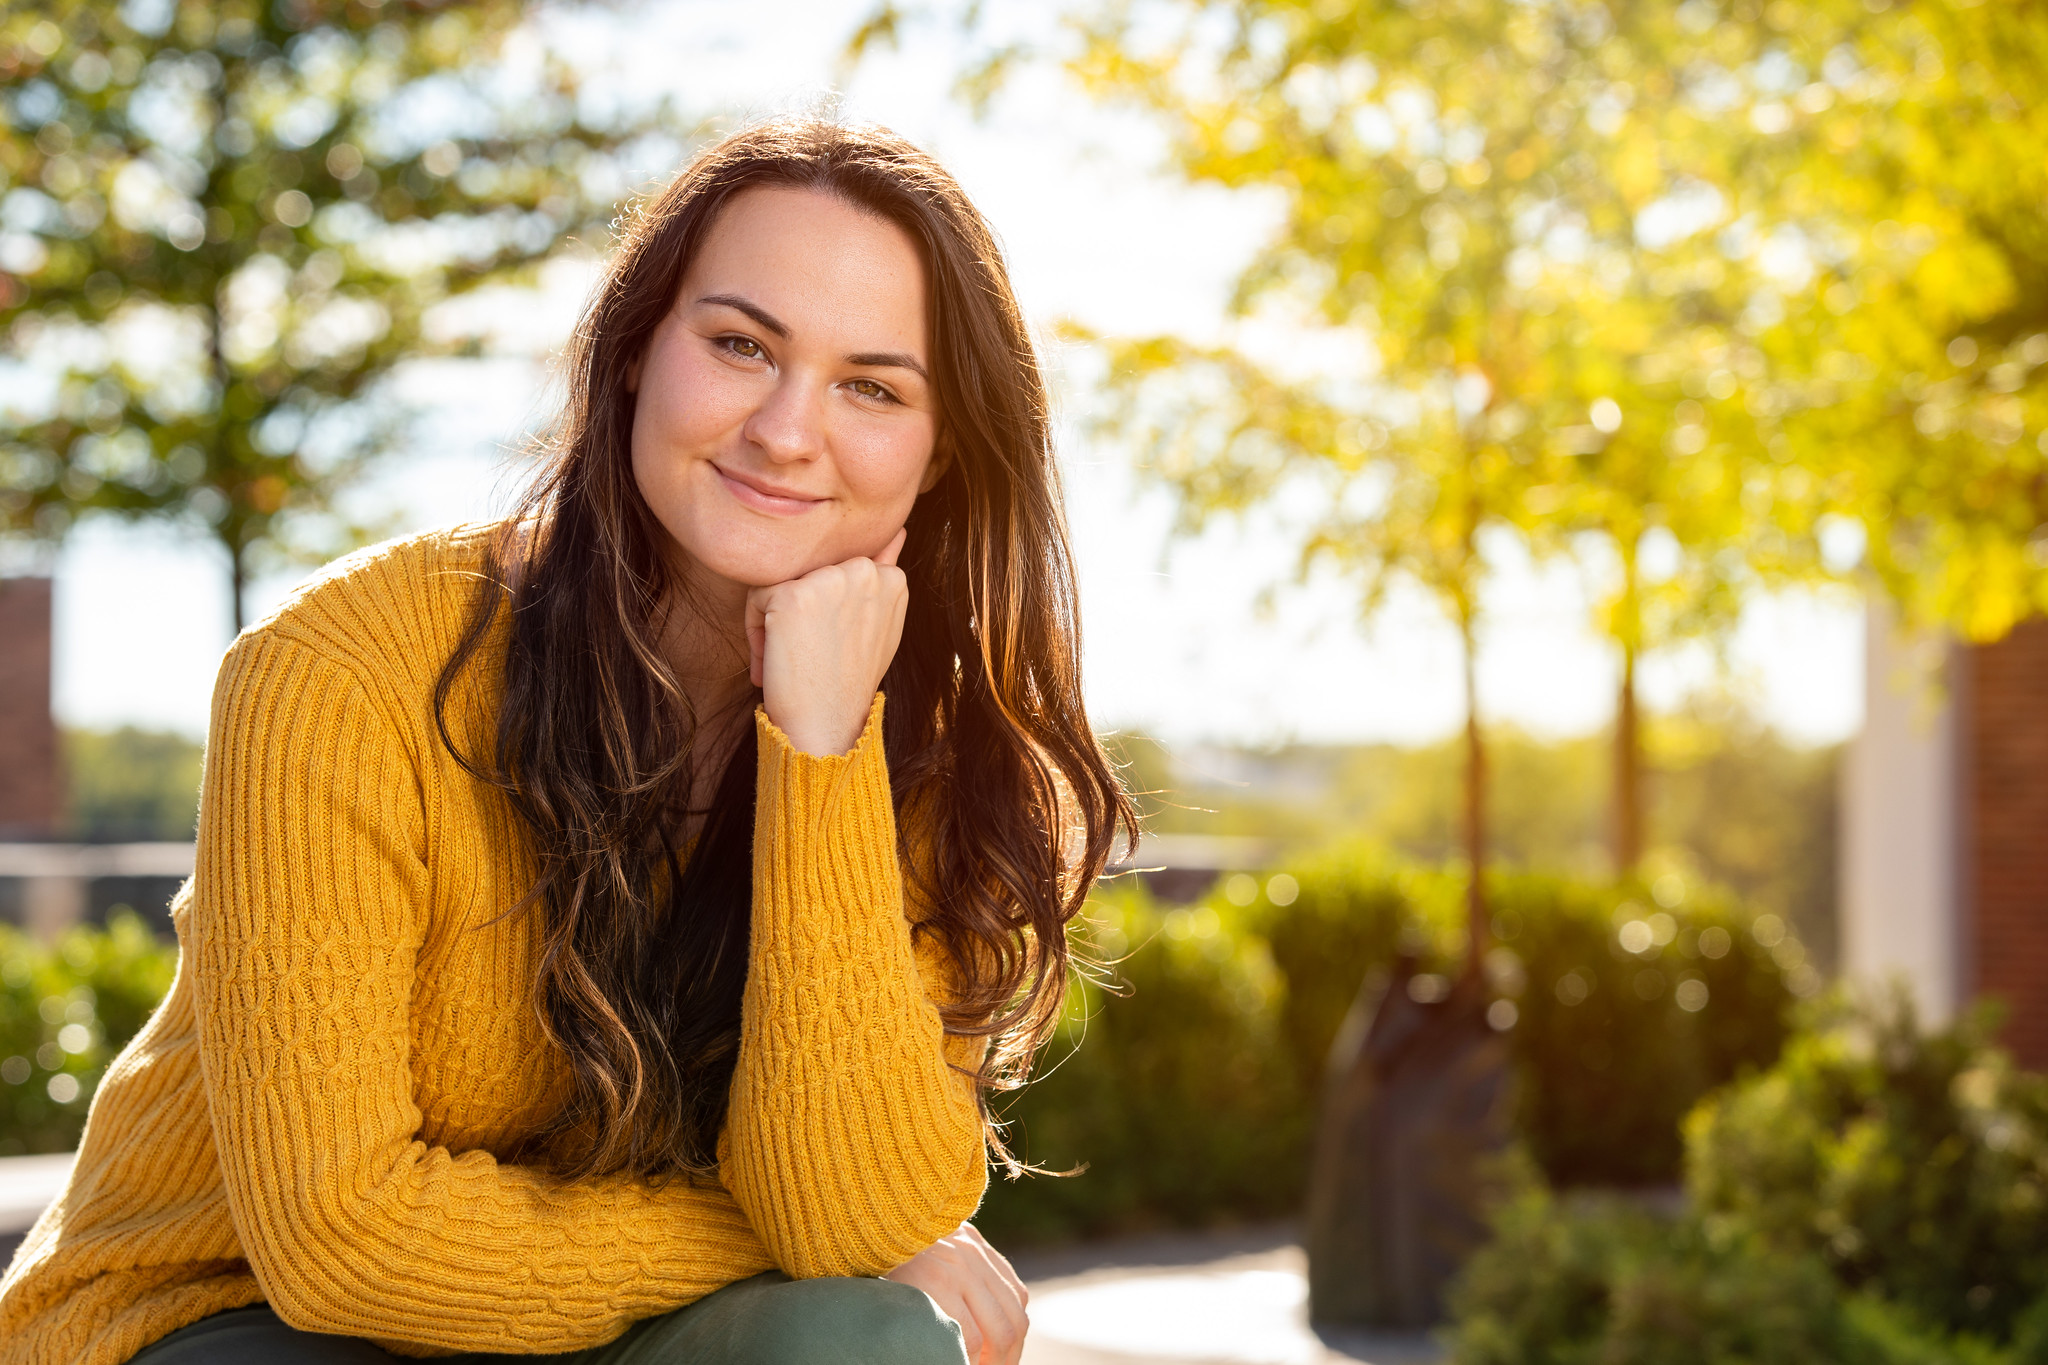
point(767, 498)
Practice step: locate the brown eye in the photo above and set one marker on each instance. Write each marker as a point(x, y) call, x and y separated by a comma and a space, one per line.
point(744, 347)
point(868, 388)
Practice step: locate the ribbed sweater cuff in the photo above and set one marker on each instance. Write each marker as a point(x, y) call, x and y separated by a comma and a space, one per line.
point(807, 795)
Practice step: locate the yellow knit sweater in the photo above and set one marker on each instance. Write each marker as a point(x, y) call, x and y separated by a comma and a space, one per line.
point(314, 1116)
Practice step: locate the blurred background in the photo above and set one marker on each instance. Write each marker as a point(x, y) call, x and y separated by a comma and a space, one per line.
point(1560, 492)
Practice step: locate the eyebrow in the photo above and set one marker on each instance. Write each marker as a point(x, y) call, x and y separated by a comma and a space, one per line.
point(752, 310)
point(890, 359)
point(896, 360)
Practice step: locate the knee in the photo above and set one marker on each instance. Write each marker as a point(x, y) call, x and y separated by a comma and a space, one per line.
point(849, 1321)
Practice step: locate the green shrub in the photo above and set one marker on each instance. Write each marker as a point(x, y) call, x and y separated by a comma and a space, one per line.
point(1613, 1046)
point(1598, 1280)
point(1351, 911)
point(1601, 1280)
point(1174, 1096)
point(1189, 1091)
point(1914, 1164)
point(64, 1013)
point(1873, 1199)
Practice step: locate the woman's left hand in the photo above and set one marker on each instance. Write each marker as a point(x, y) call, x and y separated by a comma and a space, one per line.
point(821, 643)
point(973, 1285)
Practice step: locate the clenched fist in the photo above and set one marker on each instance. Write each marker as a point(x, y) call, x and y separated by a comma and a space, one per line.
point(974, 1285)
point(821, 643)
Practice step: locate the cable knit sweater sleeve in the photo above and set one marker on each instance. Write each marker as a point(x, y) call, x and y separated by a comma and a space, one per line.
point(854, 1139)
point(306, 920)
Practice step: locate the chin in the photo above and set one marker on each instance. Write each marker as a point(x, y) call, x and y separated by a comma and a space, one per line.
point(760, 576)
point(755, 565)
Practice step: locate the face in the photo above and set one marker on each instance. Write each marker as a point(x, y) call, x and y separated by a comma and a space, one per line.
point(784, 417)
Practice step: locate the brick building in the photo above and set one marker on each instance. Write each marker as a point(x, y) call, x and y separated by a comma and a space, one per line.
point(29, 793)
point(1945, 827)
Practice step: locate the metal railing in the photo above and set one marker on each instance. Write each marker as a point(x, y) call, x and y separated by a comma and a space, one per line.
point(57, 878)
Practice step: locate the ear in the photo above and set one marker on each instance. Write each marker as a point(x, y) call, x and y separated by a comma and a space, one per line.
point(942, 460)
point(633, 375)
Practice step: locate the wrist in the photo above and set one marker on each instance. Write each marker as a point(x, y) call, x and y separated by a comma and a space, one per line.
point(818, 735)
point(821, 741)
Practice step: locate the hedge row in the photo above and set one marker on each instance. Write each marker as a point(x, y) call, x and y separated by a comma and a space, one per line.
point(64, 1013)
point(1186, 1078)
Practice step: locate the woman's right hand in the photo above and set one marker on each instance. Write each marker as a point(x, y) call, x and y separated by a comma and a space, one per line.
point(821, 643)
point(973, 1285)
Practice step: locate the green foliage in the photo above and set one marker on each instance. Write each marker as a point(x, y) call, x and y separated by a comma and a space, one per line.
point(1910, 362)
point(1873, 1199)
point(1546, 800)
point(130, 784)
point(1631, 1012)
point(1352, 912)
point(1190, 1095)
point(1628, 1011)
point(1631, 1006)
point(1175, 1096)
point(1738, 806)
point(1700, 276)
point(1468, 201)
point(1915, 1165)
point(1714, 296)
point(1432, 168)
point(1597, 1279)
point(64, 1014)
point(231, 220)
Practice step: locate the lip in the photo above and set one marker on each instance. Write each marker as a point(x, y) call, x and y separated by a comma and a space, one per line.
point(765, 497)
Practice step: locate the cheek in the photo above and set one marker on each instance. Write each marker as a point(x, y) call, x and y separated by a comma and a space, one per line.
point(882, 465)
point(680, 413)
point(684, 401)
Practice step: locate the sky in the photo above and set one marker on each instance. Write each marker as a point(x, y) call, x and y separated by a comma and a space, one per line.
point(1176, 640)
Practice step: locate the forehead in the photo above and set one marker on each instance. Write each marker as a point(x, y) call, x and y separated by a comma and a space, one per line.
point(821, 265)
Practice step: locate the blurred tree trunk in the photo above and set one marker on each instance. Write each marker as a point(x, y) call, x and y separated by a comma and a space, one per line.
point(238, 582)
point(228, 529)
point(1475, 792)
point(1628, 770)
point(1627, 629)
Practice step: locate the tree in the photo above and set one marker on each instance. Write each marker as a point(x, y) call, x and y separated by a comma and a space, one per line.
point(1468, 199)
point(130, 783)
point(1891, 201)
point(1712, 279)
point(1407, 499)
point(230, 221)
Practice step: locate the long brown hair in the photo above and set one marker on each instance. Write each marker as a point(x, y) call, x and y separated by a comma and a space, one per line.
point(991, 759)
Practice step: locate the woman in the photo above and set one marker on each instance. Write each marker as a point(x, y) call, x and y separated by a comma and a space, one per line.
point(608, 923)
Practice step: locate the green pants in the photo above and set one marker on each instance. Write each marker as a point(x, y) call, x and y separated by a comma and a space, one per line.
point(768, 1320)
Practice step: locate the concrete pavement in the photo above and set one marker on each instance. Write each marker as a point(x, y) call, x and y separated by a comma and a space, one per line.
point(1219, 1298)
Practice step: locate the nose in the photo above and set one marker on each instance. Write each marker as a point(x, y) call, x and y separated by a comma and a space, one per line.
point(789, 424)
